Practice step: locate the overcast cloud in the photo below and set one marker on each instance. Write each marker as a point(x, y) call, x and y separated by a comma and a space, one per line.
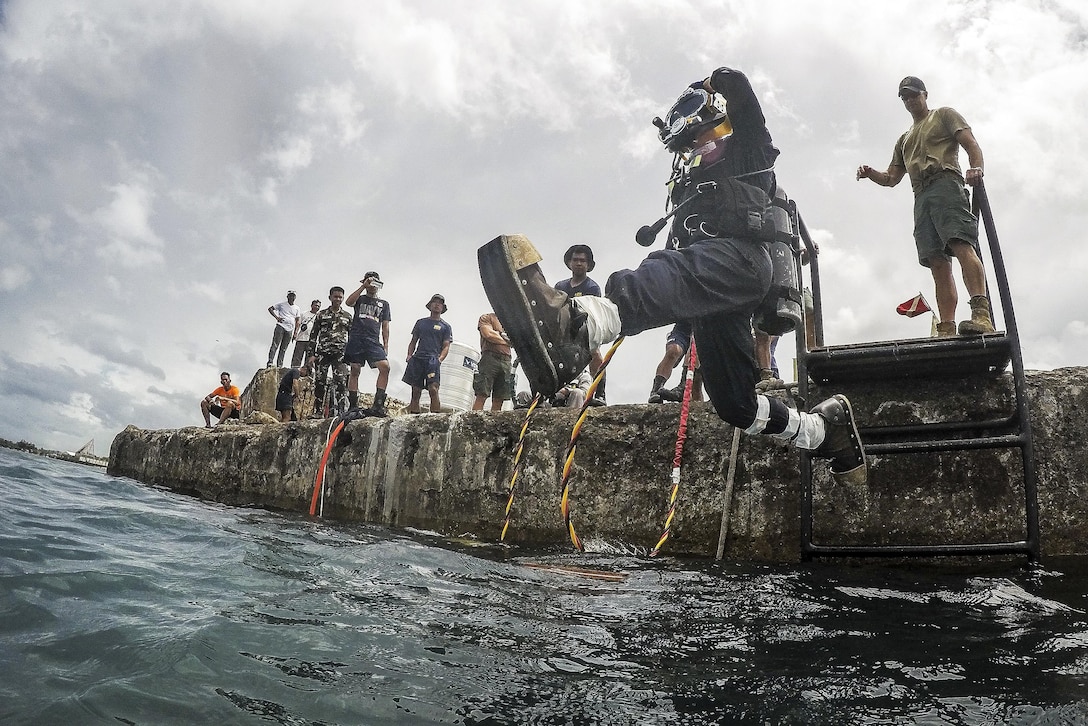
point(170, 169)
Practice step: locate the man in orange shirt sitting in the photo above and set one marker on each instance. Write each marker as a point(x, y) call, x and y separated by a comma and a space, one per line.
point(224, 402)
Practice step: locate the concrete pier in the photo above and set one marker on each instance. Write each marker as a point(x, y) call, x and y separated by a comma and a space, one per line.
point(450, 473)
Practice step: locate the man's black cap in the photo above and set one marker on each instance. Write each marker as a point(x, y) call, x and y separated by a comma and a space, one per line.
point(912, 84)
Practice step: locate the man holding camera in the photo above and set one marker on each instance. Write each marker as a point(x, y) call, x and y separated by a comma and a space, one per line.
point(302, 350)
point(371, 321)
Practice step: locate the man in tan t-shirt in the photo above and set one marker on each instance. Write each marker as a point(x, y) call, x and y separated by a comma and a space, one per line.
point(944, 226)
point(493, 374)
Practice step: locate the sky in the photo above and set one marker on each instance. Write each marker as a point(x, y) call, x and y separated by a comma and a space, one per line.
point(169, 169)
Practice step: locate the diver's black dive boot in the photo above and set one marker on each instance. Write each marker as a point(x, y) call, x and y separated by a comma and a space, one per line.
point(549, 334)
point(842, 443)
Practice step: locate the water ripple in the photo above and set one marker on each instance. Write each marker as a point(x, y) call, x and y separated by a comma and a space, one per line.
point(122, 603)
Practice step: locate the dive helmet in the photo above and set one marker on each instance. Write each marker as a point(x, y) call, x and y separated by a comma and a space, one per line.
point(695, 111)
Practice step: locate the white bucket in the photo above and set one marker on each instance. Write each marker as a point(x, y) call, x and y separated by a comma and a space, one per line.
point(458, 370)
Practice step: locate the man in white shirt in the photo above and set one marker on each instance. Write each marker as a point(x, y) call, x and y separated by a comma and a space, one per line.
point(287, 317)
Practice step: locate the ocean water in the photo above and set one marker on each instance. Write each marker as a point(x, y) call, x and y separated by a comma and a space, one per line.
point(124, 604)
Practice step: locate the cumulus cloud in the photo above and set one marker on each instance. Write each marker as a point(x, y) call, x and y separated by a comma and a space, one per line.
point(13, 277)
point(125, 224)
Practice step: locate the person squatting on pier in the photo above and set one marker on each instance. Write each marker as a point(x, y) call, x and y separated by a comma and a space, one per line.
point(715, 272)
point(573, 394)
point(289, 390)
point(944, 226)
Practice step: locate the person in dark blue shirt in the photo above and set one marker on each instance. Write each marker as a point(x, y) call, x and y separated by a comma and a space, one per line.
point(579, 260)
point(431, 338)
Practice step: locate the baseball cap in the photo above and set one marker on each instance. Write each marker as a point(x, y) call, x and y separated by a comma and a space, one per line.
point(291, 292)
point(373, 274)
point(912, 83)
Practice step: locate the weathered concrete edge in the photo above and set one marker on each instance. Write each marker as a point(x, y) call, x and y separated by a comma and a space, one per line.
point(450, 473)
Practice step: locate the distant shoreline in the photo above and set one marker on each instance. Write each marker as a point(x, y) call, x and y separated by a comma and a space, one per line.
point(30, 448)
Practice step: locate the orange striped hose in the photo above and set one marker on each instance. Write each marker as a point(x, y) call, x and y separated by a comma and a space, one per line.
point(568, 463)
point(517, 463)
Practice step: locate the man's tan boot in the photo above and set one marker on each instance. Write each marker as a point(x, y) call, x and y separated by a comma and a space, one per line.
point(946, 330)
point(980, 317)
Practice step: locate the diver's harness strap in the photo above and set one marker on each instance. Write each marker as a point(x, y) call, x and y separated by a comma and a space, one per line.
point(734, 209)
point(787, 292)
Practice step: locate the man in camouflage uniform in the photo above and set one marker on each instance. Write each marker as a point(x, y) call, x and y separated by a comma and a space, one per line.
point(329, 336)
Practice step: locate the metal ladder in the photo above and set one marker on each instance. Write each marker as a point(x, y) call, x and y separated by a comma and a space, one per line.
point(963, 356)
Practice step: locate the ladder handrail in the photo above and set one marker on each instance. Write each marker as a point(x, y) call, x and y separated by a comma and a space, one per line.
point(1030, 545)
point(981, 201)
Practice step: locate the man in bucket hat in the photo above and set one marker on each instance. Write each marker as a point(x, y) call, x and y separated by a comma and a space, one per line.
point(431, 338)
point(579, 260)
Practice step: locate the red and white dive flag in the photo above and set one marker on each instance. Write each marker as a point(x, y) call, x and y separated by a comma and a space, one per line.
point(915, 306)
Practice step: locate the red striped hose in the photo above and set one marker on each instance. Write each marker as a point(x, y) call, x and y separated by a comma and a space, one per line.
point(678, 453)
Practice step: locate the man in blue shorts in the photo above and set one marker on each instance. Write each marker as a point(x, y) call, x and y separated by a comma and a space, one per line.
point(371, 320)
point(431, 338)
point(676, 349)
